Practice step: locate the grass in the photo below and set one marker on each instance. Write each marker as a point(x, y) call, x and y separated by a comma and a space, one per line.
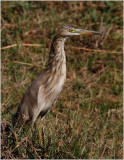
point(86, 121)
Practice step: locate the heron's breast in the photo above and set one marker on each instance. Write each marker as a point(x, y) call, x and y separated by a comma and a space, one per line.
point(47, 96)
point(60, 83)
point(51, 88)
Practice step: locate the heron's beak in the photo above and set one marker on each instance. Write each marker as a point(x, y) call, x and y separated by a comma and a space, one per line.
point(87, 32)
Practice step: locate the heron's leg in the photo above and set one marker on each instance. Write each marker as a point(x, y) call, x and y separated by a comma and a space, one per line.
point(29, 128)
point(39, 127)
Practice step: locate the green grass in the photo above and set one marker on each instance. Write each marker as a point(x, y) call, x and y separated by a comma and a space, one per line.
point(86, 121)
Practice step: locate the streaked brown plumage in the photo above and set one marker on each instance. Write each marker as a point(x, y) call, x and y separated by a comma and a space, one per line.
point(44, 90)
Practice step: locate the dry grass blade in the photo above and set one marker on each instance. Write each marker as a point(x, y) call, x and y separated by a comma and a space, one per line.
point(29, 64)
point(68, 153)
point(104, 150)
point(38, 156)
point(99, 39)
point(5, 102)
point(19, 144)
point(105, 35)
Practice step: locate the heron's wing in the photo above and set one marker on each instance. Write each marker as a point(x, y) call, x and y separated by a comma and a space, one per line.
point(30, 98)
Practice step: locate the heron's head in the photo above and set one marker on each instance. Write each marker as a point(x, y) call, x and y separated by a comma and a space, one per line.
point(67, 31)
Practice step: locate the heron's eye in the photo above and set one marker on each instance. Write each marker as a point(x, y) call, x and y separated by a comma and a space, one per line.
point(72, 30)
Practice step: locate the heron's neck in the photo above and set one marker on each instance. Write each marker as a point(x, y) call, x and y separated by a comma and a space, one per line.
point(57, 52)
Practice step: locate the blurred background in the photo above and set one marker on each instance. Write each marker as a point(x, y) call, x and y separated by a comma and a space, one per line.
point(86, 121)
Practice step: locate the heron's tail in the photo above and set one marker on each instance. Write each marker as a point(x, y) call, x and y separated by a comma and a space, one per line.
point(15, 119)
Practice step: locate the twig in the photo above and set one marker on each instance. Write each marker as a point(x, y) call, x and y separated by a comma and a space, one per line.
point(94, 50)
point(10, 46)
point(32, 45)
point(26, 45)
point(80, 48)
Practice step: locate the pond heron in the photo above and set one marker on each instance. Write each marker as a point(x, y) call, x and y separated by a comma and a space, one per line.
point(44, 90)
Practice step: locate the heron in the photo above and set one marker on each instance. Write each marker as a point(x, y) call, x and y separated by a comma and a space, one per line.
point(45, 89)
